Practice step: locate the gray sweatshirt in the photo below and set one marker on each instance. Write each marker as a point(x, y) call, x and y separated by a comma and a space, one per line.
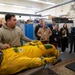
point(12, 36)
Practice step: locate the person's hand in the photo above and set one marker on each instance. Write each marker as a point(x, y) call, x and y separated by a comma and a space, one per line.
point(5, 46)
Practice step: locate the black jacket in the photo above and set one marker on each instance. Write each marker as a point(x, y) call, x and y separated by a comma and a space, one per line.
point(56, 34)
point(67, 32)
point(36, 30)
point(73, 33)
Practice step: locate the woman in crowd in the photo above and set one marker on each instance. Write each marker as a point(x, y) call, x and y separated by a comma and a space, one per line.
point(56, 35)
point(64, 33)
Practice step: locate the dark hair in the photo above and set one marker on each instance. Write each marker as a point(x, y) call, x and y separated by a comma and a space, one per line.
point(8, 16)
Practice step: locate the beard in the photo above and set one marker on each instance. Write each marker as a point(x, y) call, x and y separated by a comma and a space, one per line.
point(13, 27)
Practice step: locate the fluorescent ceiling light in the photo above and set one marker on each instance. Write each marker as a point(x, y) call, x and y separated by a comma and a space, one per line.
point(44, 2)
point(19, 6)
point(25, 7)
point(13, 5)
point(35, 8)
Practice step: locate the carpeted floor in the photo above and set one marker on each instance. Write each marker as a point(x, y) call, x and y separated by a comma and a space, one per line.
point(60, 68)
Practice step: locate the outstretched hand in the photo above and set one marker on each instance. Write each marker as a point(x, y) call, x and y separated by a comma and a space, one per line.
point(5, 46)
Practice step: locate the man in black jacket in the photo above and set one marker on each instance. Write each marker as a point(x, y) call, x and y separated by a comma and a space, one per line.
point(37, 27)
point(72, 39)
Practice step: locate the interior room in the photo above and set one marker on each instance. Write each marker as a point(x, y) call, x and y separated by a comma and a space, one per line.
point(27, 15)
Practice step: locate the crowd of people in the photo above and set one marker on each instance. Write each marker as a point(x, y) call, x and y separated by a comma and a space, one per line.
point(11, 36)
point(14, 57)
point(53, 35)
point(45, 33)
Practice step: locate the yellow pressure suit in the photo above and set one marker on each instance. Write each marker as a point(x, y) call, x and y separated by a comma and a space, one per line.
point(30, 55)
